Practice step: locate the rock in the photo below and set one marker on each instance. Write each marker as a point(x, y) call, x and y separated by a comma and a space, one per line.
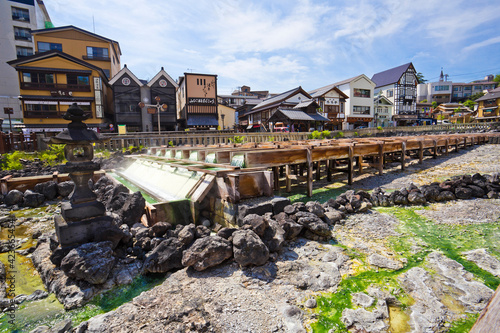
point(463, 193)
point(484, 260)
point(477, 192)
point(165, 257)
point(48, 189)
point(289, 209)
point(430, 192)
point(274, 236)
point(279, 204)
point(364, 207)
point(62, 326)
point(445, 196)
point(292, 229)
point(311, 303)
point(133, 209)
point(313, 223)
point(36, 295)
point(226, 233)
point(160, 228)
point(332, 203)
point(361, 320)
point(116, 202)
point(201, 231)
point(259, 209)
point(205, 222)
point(64, 189)
point(187, 234)
point(256, 223)
point(315, 208)
point(207, 252)
point(400, 198)
point(41, 329)
point(33, 199)
point(292, 317)
point(362, 299)
point(110, 232)
point(416, 198)
point(492, 195)
point(14, 197)
point(300, 206)
point(249, 249)
point(383, 262)
point(91, 262)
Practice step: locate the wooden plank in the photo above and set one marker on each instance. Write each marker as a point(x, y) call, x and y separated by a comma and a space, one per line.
point(489, 319)
point(309, 173)
point(403, 155)
point(288, 179)
point(350, 165)
point(201, 189)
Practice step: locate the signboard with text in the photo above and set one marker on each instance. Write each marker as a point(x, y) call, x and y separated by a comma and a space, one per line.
point(205, 101)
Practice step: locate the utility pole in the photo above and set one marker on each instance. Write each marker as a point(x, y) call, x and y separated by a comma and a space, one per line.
point(158, 107)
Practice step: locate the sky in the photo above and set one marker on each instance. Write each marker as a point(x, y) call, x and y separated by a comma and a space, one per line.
point(277, 45)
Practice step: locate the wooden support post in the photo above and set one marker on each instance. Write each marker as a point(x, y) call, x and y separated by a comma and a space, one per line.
point(350, 165)
point(4, 185)
point(55, 177)
point(420, 152)
point(301, 169)
point(282, 171)
point(288, 180)
point(435, 153)
point(403, 154)
point(309, 173)
point(381, 159)
point(334, 165)
point(360, 164)
point(329, 170)
point(456, 145)
point(446, 147)
point(318, 171)
point(276, 178)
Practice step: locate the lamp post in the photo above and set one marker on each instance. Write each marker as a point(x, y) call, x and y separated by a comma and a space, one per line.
point(158, 107)
point(222, 115)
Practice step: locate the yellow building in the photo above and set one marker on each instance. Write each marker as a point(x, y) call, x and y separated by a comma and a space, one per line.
point(489, 106)
point(227, 117)
point(97, 50)
point(70, 65)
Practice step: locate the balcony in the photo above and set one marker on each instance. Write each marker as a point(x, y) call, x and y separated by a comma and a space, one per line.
point(22, 37)
point(96, 58)
point(49, 114)
point(54, 86)
point(20, 17)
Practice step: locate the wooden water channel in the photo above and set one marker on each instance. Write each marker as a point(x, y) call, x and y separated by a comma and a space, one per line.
point(291, 159)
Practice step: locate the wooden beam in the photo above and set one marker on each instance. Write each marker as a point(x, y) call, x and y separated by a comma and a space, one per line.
point(381, 159)
point(350, 165)
point(288, 180)
point(309, 173)
point(403, 154)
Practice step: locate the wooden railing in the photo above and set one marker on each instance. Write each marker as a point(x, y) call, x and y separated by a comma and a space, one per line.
point(17, 141)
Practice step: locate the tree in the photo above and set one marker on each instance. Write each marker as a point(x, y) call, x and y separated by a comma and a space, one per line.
point(423, 101)
point(434, 104)
point(476, 96)
point(497, 79)
point(470, 104)
point(420, 78)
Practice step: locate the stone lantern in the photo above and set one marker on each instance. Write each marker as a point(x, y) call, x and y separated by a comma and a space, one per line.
point(83, 216)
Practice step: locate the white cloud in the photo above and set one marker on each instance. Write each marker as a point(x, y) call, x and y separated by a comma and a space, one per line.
point(491, 41)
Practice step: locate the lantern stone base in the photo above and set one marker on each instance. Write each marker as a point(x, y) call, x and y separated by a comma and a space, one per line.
point(81, 211)
point(84, 231)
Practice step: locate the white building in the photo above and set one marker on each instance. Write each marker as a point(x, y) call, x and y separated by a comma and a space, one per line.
point(17, 19)
point(359, 106)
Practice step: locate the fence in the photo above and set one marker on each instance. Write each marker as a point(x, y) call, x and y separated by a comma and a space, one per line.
point(205, 138)
point(17, 141)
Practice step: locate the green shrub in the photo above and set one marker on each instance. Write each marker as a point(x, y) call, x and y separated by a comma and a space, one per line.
point(315, 135)
point(11, 161)
point(339, 135)
point(54, 155)
point(356, 134)
point(170, 143)
point(237, 139)
point(325, 134)
point(379, 128)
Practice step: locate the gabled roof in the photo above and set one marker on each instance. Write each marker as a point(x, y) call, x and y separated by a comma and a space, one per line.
point(390, 76)
point(305, 104)
point(127, 71)
point(17, 63)
point(72, 27)
point(159, 75)
point(492, 94)
point(382, 98)
point(297, 115)
point(355, 78)
point(323, 90)
point(278, 99)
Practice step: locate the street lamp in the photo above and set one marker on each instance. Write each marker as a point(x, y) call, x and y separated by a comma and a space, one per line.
point(222, 117)
point(158, 107)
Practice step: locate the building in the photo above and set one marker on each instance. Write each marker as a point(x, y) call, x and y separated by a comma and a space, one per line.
point(489, 106)
point(424, 111)
point(359, 105)
point(452, 113)
point(197, 101)
point(445, 91)
point(331, 100)
point(399, 85)
point(258, 117)
point(227, 117)
point(244, 110)
point(384, 110)
point(97, 50)
point(17, 20)
point(51, 81)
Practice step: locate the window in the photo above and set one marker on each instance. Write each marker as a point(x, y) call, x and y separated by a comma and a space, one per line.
point(106, 71)
point(97, 53)
point(468, 88)
point(77, 79)
point(442, 88)
point(457, 88)
point(361, 93)
point(360, 109)
point(20, 14)
point(23, 51)
point(38, 77)
point(22, 33)
point(478, 87)
point(44, 47)
point(390, 93)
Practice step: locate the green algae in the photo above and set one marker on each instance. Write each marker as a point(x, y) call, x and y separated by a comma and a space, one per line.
point(463, 325)
point(319, 194)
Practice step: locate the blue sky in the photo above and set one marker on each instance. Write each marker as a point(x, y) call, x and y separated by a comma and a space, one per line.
point(277, 45)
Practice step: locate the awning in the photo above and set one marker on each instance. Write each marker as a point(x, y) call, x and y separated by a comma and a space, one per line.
point(202, 120)
point(249, 126)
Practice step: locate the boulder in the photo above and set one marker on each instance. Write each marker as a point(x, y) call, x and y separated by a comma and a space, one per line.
point(226, 233)
point(463, 193)
point(249, 249)
point(165, 257)
point(334, 215)
point(430, 192)
point(290, 209)
point(187, 233)
point(477, 192)
point(48, 189)
point(445, 196)
point(116, 202)
point(256, 223)
point(201, 231)
point(416, 198)
point(14, 197)
point(313, 223)
point(400, 198)
point(33, 199)
point(160, 228)
point(207, 252)
point(279, 204)
point(91, 262)
point(274, 236)
point(133, 209)
point(259, 209)
point(315, 208)
point(292, 229)
point(64, 189)
point(383, 262)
